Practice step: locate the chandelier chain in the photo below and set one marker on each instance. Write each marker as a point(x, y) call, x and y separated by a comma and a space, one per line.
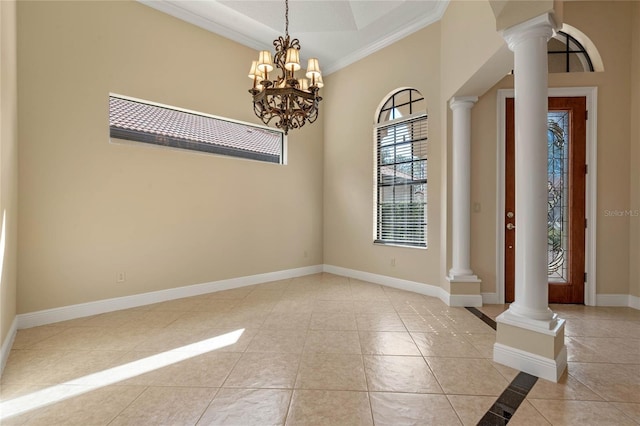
point(286, 17)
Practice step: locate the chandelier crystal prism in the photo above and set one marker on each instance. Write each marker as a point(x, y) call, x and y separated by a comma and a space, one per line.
point(289, 101)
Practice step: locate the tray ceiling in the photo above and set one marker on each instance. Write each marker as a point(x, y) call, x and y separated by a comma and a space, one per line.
point(337, 32)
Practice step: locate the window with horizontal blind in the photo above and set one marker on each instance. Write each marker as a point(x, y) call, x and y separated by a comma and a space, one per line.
point(401, 175)
point(152, 123)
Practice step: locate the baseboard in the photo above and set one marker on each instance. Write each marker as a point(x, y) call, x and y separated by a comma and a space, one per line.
point(546, 368)
point(490, 299)
point(7, 344)
point(49, 316)
point(416, 287)
point(601, 300)
point(627, 300)
point(470, 300)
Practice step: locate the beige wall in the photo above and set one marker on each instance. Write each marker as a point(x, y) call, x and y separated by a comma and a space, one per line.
point(8, 167)
point(90, 208)
point(469, 40)
point(353, 96)
point(609, 27)
point(634, 157)
point(167, 218)
point(474, 57)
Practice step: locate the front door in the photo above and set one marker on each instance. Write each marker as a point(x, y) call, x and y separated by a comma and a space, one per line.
point(566, 139)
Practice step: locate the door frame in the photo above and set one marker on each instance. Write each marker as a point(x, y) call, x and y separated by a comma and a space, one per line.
point(591, 94)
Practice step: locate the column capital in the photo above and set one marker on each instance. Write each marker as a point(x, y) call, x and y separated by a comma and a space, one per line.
point(462, 101)
point(538, 27)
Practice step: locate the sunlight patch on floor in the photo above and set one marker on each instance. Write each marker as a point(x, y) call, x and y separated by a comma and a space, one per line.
point(108, 377)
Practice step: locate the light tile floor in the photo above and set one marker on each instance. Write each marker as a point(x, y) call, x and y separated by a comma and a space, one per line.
point(319, 349)
point(602, 383)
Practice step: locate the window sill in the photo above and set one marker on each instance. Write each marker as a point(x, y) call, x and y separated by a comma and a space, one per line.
point(411, 246)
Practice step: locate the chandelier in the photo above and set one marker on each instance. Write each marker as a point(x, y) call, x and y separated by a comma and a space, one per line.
point(289, 100)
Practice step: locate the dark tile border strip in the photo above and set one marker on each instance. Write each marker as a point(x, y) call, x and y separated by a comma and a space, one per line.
point(508, 402)
point(488, 320)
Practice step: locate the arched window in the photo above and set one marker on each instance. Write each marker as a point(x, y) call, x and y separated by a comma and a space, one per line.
point(401, 170)
point(566, 54)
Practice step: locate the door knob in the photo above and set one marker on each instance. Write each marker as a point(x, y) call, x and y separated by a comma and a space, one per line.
point(511, 226)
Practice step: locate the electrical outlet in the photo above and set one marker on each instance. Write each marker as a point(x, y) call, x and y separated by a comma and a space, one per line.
point(393, 262)
point(306, 253)
point(121, 277)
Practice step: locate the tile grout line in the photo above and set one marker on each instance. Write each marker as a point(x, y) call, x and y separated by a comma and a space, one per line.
point(300, 361)
point(512, 397)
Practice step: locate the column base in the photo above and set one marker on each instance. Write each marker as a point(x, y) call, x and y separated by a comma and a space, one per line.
point(462, 276)
point(463, 290)
point(533, 346)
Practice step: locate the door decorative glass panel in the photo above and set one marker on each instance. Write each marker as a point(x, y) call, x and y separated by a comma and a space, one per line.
point(566, 184)
point(558, 178)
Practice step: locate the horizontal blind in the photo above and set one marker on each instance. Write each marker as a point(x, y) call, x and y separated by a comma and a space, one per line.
point(402, 182)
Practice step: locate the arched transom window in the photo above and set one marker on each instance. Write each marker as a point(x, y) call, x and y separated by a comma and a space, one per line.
point(401, 170)
point(566, 54)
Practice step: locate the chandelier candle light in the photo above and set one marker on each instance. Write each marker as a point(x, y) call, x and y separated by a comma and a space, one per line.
point(291, 101)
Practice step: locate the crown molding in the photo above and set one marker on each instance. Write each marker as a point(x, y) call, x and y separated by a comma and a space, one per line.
point(198, 14)
point(404, 31)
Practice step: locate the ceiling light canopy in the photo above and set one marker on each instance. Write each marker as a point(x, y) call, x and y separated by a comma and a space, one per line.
point(289, 101)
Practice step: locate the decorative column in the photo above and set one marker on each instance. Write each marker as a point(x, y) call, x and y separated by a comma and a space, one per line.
point(464, 286)
point(530, 337)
